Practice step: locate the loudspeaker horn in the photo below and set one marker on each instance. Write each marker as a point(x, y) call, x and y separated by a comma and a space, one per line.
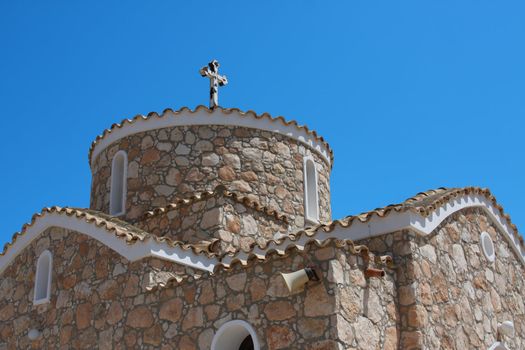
point(295, 281)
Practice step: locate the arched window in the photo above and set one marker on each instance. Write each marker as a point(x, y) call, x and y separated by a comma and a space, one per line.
point(119, 175)
point(44, 265)
point(235, 335)
point(311, 201)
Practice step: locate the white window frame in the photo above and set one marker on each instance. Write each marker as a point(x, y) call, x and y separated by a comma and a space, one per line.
point(308, 216)
point(124, 184)
point(484, 240)
point(234, 331)
point(47, 297)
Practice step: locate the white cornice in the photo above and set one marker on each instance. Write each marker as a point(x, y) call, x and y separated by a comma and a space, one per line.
point(203, 116)
point(395, 221)
point(376, 226)
point(132, 252)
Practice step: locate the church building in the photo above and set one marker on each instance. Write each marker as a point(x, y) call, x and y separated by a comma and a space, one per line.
point(212, 229)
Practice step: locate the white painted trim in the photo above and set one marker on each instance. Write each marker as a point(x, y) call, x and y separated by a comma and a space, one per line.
point(47, 298)
point(132, 252)
point(498, 346)
point(307, 215)
point(427, 225)
point(124, 183)
point(376, 226)
point(229, 326)
point(216, 117)
point(396, 221)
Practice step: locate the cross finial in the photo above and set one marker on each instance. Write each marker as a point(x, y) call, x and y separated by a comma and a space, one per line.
point(211, 71)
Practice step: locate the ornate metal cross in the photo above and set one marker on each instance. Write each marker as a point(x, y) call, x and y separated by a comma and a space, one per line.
point(212, 72)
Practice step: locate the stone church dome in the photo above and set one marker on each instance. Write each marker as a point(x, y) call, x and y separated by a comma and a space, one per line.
point(181, 153)
point(211, 229)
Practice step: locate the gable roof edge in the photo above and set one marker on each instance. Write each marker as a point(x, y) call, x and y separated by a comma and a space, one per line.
point(422, 220)
point(132, 252)
point(427, 225)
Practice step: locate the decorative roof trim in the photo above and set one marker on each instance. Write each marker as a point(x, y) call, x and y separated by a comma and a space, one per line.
point(205, 116)
point(383, 261)
point(301, 244)
point(162, 279)
point(115, 236)
point(421, 214)
point(220, 190)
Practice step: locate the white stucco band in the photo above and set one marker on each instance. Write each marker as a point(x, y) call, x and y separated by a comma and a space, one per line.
point(132, 252)
point(203, 116)
point(396, 221)
point(376, 226)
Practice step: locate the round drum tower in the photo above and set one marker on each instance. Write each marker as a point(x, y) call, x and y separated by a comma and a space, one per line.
point(149, 162)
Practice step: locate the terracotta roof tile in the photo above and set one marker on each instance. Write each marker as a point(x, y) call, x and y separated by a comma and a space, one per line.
point(220, 190)
point(162, 279)
point(280, 119)
point(361, 250)
point(383, 261)
point(119, 228)
point(424, 203)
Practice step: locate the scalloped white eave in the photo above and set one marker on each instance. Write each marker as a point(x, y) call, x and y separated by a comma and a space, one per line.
point(216, 117)
point(396, 221)
point(132, 252)
point(376, 226)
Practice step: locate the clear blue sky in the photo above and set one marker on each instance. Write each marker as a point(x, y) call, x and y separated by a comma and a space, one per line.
point(411, 95)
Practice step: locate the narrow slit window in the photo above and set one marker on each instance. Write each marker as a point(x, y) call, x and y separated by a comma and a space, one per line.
point(43, 278)
point(119, 169)
point(311, 201)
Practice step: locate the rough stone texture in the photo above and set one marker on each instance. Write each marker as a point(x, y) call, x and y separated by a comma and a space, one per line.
point(362, 305)
point(187, 315)
point(449, 295)
point(444, 294)
point(107, 301)
point(236, 225)
point(267, 166)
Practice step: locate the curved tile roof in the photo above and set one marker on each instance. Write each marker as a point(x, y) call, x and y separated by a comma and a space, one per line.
point(162, 279)
point(121, 229)
point(360, 250)
point(220, 190)
point(423, 203)
point(226, 111)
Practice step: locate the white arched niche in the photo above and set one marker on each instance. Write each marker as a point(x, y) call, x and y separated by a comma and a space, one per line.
point(235, 335)
point(311, 196)
point(44, 267)
point(487, 246)
point(119, 175)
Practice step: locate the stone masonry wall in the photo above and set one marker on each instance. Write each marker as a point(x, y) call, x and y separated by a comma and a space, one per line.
point(451, 296)
point(236, 225)
point(100, 301)
point(177, 162)
point(444, 294)
point(367, 317)
point(92, 286)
